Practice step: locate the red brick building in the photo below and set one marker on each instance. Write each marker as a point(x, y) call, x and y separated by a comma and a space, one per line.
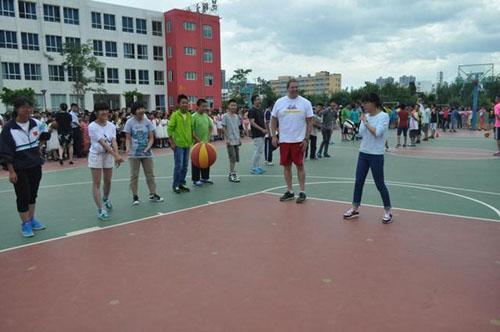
point(193, 57)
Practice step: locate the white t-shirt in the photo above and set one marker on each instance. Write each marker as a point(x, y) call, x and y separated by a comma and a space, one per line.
point(96, 132)
point(292, 115)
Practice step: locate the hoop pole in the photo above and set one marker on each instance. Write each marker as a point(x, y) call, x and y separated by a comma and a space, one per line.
point(474, 105)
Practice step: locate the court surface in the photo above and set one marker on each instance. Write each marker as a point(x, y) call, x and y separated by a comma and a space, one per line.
point(231, 257)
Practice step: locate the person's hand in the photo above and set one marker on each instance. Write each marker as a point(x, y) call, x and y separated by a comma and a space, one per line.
point(304, 145)
point(127, 152)
point(275, 141)
point(172, 146)
point(362, 117)
point(118, 160)
point(265, 132)
point(146, 150)
point(13, 177)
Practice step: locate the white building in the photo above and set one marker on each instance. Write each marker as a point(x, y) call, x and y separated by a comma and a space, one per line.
point(425, 86)
point(406, 80)
point(129, 41)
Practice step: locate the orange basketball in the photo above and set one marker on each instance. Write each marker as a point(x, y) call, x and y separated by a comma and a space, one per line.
point(203, 155)
point(486, 134)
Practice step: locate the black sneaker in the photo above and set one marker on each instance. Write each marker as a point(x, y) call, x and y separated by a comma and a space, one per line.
point(326, 155)
point(184, 188)
point(177, 190)
point(302, 198)
point(135, 200)
point(288, 196)
point(155, 198)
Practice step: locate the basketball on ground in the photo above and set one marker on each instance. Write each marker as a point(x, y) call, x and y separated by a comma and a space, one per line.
point(487, 134)
point(203, 155)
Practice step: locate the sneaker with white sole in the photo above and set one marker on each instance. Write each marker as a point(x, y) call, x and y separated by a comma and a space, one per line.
point(135, 200)
point(107, 203)
point(36, 225)
point(26, 229)
point(387, 219)
point(233, 177)
point(155, 198)
point(351, 214)
point(103, 215)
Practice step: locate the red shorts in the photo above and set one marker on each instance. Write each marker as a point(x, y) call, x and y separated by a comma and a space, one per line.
point(291, 152)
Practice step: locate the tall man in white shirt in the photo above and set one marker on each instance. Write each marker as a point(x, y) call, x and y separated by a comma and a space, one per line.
point(295, 116)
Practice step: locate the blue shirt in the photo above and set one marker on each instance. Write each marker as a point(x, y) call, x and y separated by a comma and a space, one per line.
point(374, 144)
point(355, 116)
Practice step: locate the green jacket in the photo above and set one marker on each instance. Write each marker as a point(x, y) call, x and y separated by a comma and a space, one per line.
point(180, 129)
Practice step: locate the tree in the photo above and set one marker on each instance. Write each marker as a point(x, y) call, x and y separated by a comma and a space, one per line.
point(131, 96)
point(79, 62)
point(239, 82)
point(413, 89)
point(264, 88)
point(8, 96)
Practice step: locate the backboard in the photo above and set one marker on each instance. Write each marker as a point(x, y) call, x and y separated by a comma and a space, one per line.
point(477, 73)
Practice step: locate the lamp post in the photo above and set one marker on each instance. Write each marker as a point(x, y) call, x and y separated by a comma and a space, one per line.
point(44, 91)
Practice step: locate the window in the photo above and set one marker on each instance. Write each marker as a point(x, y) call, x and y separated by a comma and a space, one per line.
point(157, 30)
point(160, 102)
point(96, 20)
point(207, 31)
point(11, 71)
point(99, 75)
point(109, 22)
point(71, 74)
point(143, 77)
point(30, 41)
point(209, 79)
point(170, 76)
point(140, 26)
point(71, 16)
point(127, 24)
point(159, 77)
point(7, 8)
point(111, 49)
point(207, 56)
point(56, 100)
point(8, 39)
point(171, 100)
point(39, 103)
point(169, 26)
point(56, 73)
point(73, 99)
point(189, 50)
point(27, 10)
point(54, 43)
point(191, 26)
point(210, 102)
point(158, 53)
point(51, 13)
point(98, 51)
point(128, 51)
point(142, 52)
point(112, 75)
point(169, 51)
point(130, 76)
point(73, 41)
point(190, 76)
point(192, 100)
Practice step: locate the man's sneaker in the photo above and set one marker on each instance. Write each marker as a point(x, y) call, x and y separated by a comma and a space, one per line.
point(103, 215)
point(177, 190)
point(404, 145)
point(36, 225)
point(156, 198)
point(197, 183)
point(135, 200)
point(269, 163)
point(288, 196)
point(207, 181)
point(418, 142)
point(233, 177)
point(255, 171)
point(326, 155)
point(319, 155)
point(497, 153)
point(261, 170)
point(387, 219)
point(107, 203)
point(350, 214)
point(184, 188)
point(26, 230)
point(398, 146)
point(302, 197)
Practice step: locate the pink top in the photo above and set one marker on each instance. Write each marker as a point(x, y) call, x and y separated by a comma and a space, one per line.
point(497, 114)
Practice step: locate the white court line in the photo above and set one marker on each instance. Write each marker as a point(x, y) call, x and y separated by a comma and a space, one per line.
point(97, 228)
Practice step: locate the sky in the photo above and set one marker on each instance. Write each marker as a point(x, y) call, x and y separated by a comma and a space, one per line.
point(361, 39)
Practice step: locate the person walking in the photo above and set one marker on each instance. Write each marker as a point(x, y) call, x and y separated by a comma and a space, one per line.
point(327, 116)
point(64, 121)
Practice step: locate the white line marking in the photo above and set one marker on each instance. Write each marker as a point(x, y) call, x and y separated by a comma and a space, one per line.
point(83, 231)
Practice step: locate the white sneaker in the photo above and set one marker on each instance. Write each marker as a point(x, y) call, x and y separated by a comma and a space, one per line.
point(269, 164)
point(387, 219)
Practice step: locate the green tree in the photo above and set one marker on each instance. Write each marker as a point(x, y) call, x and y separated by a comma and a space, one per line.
point(8, 95)
point(81, 66)
point(131, 96)
point(239, 82)
point(264, 88)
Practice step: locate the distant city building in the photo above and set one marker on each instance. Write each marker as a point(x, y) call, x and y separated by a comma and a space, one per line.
point(406, 80)
point(425, 87)
point(321, 83)
point(223, 79)
point(225, 95)
point(383, 81)
point(440, 78)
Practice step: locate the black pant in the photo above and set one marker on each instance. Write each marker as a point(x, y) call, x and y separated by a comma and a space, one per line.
point(327, 134)
point(312, 146)
point(195, 173)
point(77, 142)
point(28, 181)
point(268, 149)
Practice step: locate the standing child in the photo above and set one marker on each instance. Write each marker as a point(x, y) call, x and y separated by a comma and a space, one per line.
point(202, 127)
point(85, 134)
point(231, 124)
point(103, 156)
point(414, 125)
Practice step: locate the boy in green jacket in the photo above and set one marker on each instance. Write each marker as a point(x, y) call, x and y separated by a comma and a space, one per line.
point(180, 132)
point(201, 132)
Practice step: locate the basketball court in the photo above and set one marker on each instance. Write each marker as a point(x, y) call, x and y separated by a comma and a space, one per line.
point(231, 257)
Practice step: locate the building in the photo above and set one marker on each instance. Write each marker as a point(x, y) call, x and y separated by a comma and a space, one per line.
point(129, 41)
point(406, 80)
point(321, 83)
point(439, 78)
point(383, 81)
point(425, 87)
point(193, 57)
point(223, 80)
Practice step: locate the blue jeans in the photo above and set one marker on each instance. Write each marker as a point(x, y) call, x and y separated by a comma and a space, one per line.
point(181, 160)
point(376, 163)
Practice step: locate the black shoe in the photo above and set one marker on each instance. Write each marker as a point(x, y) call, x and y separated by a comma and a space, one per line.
point(288, 196)
point(302, 198)
point(177, 190)
point(61, 162)
point(318, 155)
point(184, 188)
point(326, 155)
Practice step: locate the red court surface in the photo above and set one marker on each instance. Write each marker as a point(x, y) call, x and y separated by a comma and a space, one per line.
point(255, 264)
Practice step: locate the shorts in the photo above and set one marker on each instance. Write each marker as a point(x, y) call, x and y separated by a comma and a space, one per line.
point(291, 152)
point(496, 133)
point(233, 151)
point(433, 125)
point(403, 130)
point(425, 127)
point(414, 133)
point(101, 160)
point(65, 139)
